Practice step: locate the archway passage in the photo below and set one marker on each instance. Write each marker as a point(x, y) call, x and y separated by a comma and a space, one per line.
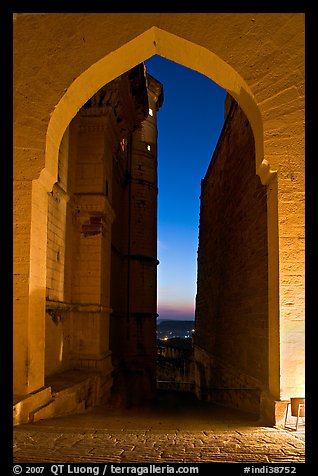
point(285, 329)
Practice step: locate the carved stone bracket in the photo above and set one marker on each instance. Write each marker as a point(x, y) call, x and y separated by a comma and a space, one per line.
point(54, 308)
point(95, 205)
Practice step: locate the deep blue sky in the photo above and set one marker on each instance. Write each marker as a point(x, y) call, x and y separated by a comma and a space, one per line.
point(189, 125)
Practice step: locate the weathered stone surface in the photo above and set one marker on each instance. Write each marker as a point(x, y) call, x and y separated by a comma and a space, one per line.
point(60, 62)
point(232, 293)
point(185, 433)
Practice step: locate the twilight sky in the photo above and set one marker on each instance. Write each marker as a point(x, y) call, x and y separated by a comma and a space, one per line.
point(189, 125)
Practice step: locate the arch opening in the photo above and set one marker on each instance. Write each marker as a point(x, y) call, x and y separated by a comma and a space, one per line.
point(210, 65)
point(153, 41)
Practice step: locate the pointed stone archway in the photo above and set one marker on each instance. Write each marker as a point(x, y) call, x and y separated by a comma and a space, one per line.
point(285, 329)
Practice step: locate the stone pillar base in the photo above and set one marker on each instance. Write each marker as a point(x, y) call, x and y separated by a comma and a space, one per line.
point(24, 405)
point(272, 412)
point(101, 363)
point(134, 383)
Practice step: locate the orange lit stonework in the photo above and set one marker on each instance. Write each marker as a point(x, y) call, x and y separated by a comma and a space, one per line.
point(65, 235)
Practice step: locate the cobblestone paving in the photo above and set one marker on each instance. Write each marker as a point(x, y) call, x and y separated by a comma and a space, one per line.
point(170, 433)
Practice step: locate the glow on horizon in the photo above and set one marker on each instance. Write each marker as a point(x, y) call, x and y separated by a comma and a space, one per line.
point(177, 251)
point(176, 311)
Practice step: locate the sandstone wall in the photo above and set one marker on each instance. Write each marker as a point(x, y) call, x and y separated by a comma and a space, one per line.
point(61, 60)
point(231, 304)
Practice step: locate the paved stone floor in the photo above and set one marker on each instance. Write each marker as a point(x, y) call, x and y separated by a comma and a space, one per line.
point(171, 431)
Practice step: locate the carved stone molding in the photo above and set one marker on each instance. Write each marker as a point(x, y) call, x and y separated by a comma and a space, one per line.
point(125, 98)
point(95, 204)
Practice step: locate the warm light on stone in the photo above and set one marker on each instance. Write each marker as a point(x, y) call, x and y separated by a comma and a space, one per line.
point(71, 204)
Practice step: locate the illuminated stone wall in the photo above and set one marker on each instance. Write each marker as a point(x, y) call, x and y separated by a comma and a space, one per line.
point(61, 60)
point(82, 207)
point(102, 240)
point(231, 334)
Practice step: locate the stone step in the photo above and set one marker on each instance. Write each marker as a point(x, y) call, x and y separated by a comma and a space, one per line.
point(78, 396)
point(61, 405)
point(24, 405)
point(66, 393)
